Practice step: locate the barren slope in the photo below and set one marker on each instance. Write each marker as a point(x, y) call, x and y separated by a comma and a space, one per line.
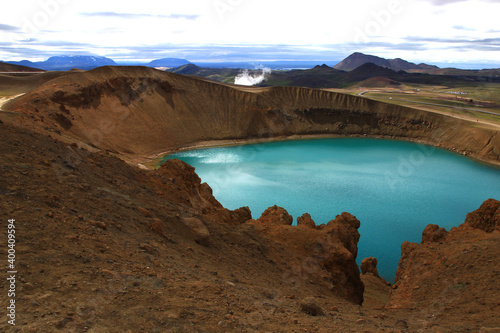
point(6, 67)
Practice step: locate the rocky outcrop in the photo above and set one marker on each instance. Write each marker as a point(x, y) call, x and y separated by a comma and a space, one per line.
point(486, 218)
point(369, 265)
point(276, 215)
point(433, 233)
point(344, 228)
point(445, 275)
point(322, 253)
point(178, 182)
point(178, 176)
point(306, 221)
point(325, 254)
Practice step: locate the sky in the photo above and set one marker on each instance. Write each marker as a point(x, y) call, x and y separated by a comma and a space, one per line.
point(431, 31)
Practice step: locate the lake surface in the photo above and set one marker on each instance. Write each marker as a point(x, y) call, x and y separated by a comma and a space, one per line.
point(394, 188)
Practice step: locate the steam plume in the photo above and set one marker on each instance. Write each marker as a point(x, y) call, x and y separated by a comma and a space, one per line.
point(246, 79)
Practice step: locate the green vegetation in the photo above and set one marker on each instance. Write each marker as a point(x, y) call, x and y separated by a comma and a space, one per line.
point(480, 102)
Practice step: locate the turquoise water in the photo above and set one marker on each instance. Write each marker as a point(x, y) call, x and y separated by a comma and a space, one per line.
point(394, 188)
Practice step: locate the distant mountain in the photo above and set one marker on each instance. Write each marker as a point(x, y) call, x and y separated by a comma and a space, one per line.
point(189, 69)
point(6, 67)
point(318, 77)
point(168, 62)
point(327, 77)
point(225, 75)
point(64, 63)
point(369, 70)
point(324, 76)
point(357, 59)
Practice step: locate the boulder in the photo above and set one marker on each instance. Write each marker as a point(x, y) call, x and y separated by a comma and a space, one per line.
point(144, 212)
point(310, 306)
point(276, 215)
point(433, 234)
point(241, 215)
point(486, 218)
point(306, 221)
point(157, 227)
point(200, 233)
point(369, 265)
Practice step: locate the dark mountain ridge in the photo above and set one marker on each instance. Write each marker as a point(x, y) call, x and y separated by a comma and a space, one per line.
point(328, 77)
point(357, 59)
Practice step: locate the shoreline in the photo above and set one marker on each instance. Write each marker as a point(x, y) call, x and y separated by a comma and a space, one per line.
point(153, 162)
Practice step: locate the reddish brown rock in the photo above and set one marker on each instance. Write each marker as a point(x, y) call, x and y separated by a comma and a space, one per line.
point(455, 275)
point(179, 177)
point(157, 227)
point(433, 233)
point(306, 221)
point(324, 256)
point(369, 265)
point(343, 236)
point(178, 182)
point(276, 215)
point(486, 218)
point(200, 232)
point(99, 224)
point(345, 229)
point(150, 249)
point(241, 215)
point(144, 212)
point(310, 306)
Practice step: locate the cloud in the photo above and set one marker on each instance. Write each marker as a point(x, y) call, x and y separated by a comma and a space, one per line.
point(138, 16)
point(35, 54)
point(461, 27)
point(191, 52)
point(227, 52)
point(447, 2)
point(485, 44)
point(29, 40)
point(411, 45)
point(6, 27)
point(444, 2)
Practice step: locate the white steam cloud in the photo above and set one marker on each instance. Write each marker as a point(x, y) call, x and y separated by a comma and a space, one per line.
point(246, 79)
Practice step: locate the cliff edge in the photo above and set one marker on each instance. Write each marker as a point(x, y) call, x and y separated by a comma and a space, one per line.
point(453, 277)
